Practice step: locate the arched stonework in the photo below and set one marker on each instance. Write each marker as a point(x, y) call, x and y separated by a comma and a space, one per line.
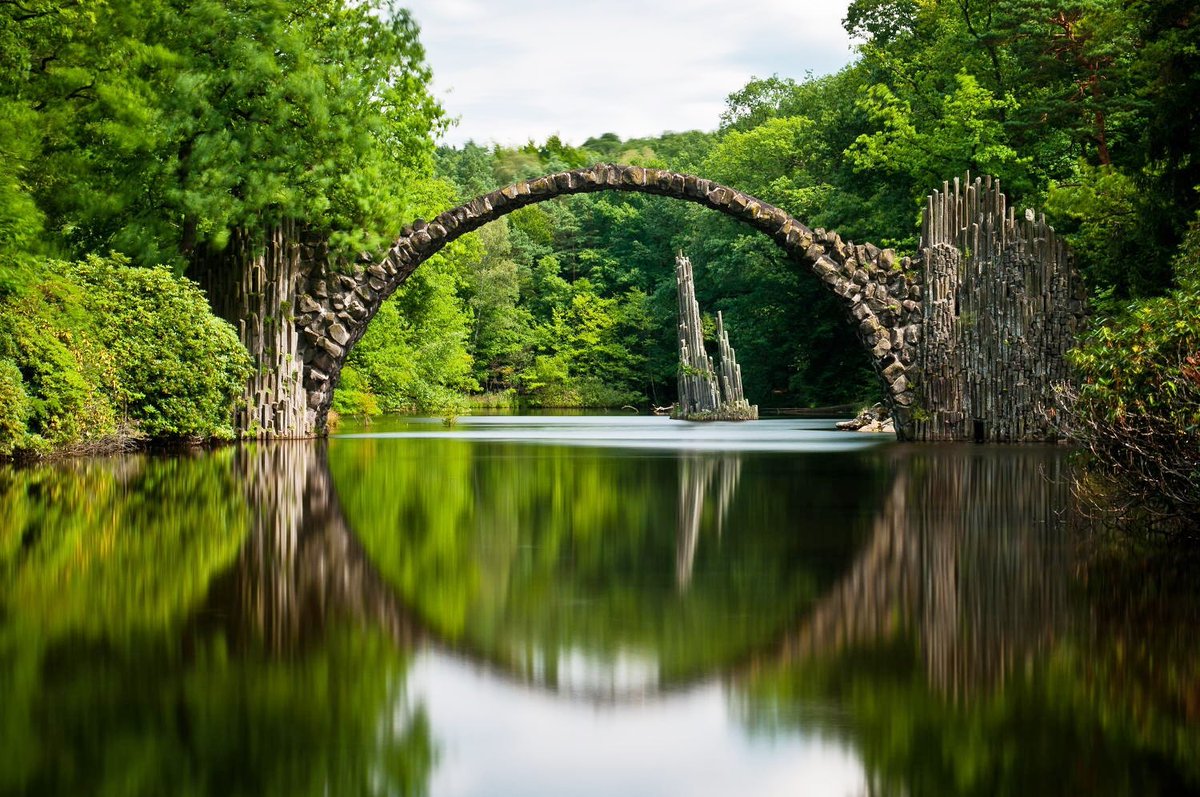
point(882, 292)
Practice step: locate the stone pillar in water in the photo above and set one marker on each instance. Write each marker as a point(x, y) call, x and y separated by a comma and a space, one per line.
point(706, 392)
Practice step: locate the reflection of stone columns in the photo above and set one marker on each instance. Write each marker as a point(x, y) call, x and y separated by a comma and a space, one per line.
point(698, 473)
point(301, 566)
point(994, 563)
point(861, 607)
point(968, 555)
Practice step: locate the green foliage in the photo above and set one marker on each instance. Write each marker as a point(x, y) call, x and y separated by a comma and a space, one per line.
point(1099, 203)
point(97, 348)
point(1137, 409)
point(180, 368)
point(14, 407)
point(68, 376)
point(152, 129)
point(963, 134)
point(413, 356)
point(1137, 362)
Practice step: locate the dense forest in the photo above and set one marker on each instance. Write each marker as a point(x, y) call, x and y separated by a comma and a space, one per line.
point(139, 140)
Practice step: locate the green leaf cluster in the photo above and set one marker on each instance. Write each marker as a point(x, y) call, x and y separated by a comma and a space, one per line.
point(99, 349)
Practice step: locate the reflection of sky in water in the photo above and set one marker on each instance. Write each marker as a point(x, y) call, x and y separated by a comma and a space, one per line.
point(643, 432)
point(496, 738)
point(625, 675)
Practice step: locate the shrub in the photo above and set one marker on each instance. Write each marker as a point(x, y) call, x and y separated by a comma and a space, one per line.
point(67, 377)
point(1137, 409)
point(14, 408)
point(181, 367)
point(98, 351)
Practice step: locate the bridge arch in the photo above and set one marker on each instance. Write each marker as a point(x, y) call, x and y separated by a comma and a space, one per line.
point(880, 292)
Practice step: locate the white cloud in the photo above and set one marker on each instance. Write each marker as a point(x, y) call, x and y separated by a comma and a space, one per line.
point(514, 70)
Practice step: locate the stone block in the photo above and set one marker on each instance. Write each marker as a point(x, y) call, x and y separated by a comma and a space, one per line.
point(720, 197)
point(868, 326)
point(333, 349)
point(339, 334)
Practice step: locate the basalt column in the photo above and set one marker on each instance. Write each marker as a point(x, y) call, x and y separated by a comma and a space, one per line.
point(253, 283)
point(707, 392)
point(1002, 306)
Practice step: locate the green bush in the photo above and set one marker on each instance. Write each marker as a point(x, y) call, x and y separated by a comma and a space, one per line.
point(1137, 408)
point(181, 367)
point(67, 376)
point(353, 395)
point(97, 351)
point(14, 407)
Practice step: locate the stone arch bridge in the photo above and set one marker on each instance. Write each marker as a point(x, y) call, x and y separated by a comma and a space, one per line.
point(967, 336)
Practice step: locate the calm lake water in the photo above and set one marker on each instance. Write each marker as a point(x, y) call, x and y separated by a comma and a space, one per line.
point(584, 606)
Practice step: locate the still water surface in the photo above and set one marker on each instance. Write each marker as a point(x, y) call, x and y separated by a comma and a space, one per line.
point(584, 606)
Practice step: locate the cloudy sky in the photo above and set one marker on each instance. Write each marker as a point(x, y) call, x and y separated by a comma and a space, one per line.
point(514, 70)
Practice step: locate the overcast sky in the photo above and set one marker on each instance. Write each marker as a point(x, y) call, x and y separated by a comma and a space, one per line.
point(514, 70)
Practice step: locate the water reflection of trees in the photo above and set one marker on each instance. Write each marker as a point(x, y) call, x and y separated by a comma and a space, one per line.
point(141, 653)
point(216, 620)
point(967, 555)
point(961, 654)
point(533, 557)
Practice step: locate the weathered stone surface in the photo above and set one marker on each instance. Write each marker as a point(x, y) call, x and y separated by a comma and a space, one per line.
point(339, 334)
point(991, 301)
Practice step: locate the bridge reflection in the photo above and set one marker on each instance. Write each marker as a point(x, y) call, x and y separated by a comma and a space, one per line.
point(959, 617)
point(301, 569)
point(966, 556)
